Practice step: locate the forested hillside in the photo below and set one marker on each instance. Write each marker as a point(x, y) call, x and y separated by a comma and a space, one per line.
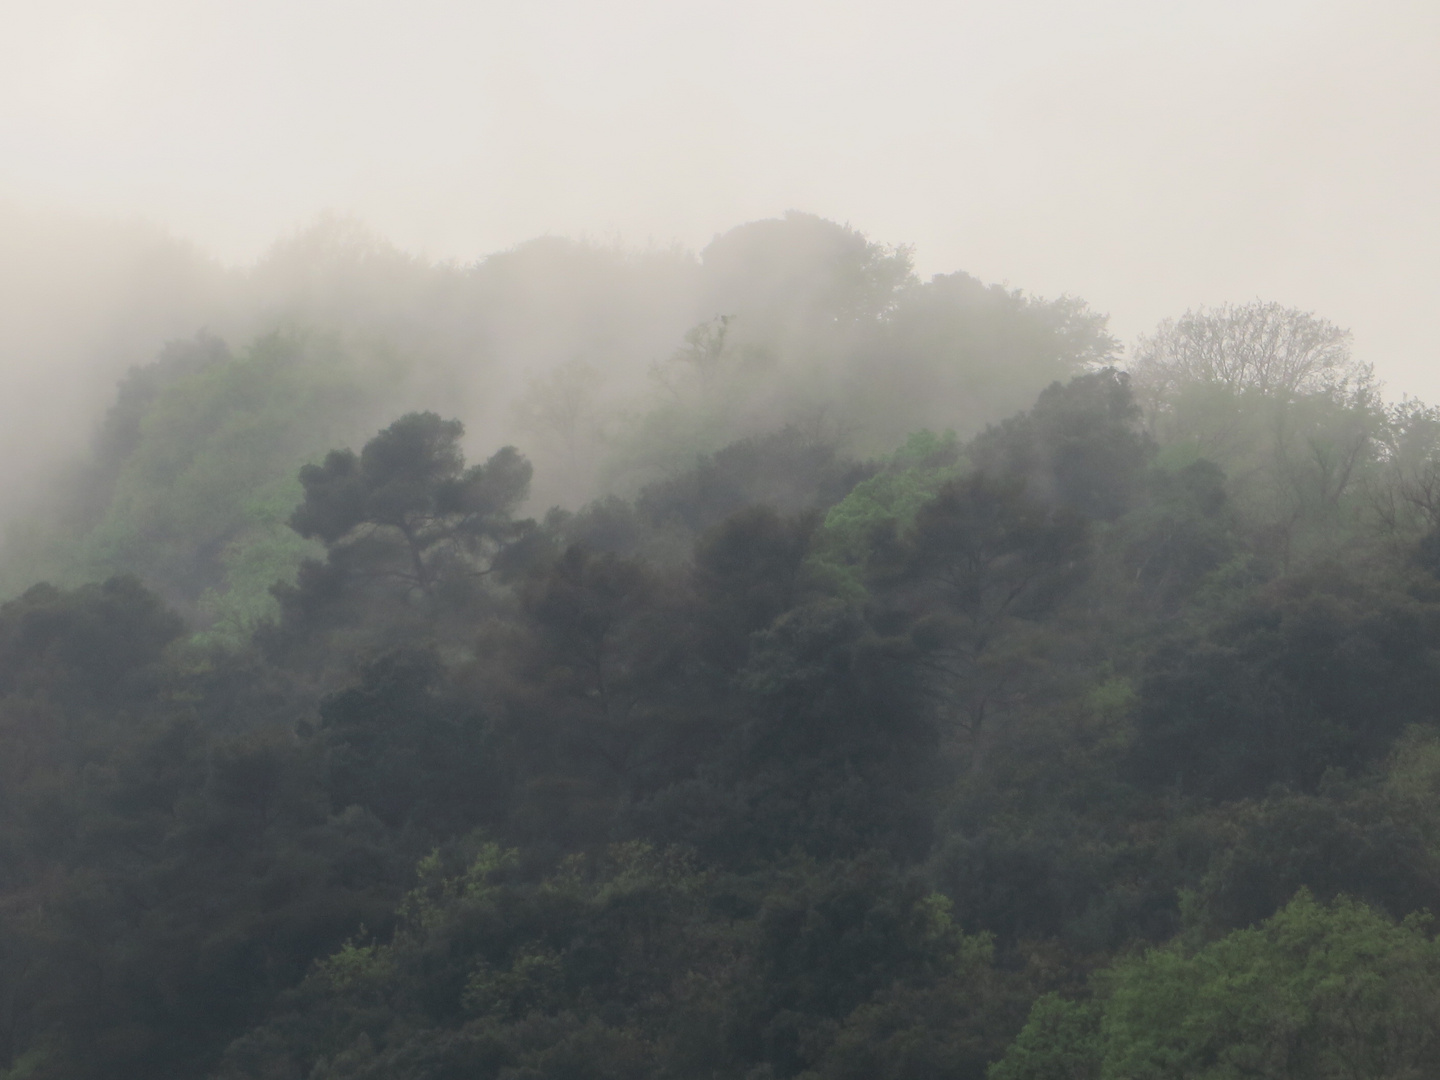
point(758, 664)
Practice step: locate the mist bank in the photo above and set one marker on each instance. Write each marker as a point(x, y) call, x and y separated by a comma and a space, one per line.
point(163, 404)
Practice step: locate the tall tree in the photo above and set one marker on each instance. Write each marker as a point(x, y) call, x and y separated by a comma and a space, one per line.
point(1260, 346)
point(406, 507)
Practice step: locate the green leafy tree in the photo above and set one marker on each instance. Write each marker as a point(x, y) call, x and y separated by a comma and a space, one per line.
point(1080, 446)
point(201, 455)
point(885, 503)
point(407, 508)
point(1316, 992)
point(1310, 673)
point(980, 562)
point(403, 746)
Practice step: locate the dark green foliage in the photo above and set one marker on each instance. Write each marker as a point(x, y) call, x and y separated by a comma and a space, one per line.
point(626, 965)
point(1060, 877)
point(401, 746)
point(966, 583)
point(407, 507)
point(1079, 447)
point(836, 757)
point(411, 537)
point(793, 765)
point(991, 550)
point(1311, 673)
point(1368, 846)
point(1185, 530)
point(92, 649)
point(786, 471)
point(748, 572)
point(168, 866)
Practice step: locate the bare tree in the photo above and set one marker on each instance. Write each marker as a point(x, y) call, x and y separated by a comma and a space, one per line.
point(1261, 347)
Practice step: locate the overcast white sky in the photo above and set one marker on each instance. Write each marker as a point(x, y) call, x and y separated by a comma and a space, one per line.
point(1143, 154)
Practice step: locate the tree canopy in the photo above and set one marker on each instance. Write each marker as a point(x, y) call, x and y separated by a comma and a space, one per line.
point(854, 677)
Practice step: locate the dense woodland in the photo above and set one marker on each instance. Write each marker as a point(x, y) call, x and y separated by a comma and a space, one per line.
point(873, 679)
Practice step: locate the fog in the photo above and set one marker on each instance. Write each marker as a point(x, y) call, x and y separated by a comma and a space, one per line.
point(661, 540)
point(1146, 157)
point(494, 196)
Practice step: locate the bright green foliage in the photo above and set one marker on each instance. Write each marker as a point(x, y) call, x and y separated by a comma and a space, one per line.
point(1315, 992)
point(213, 444)
point(887, 501)
point(202, 476)
point(267, 552)
point(1060, 1041)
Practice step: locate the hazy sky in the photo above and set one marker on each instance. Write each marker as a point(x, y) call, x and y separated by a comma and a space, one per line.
point(1145, 155)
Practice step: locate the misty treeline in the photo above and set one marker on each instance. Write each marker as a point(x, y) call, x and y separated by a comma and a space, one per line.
point(608, 366)
point(758, 664)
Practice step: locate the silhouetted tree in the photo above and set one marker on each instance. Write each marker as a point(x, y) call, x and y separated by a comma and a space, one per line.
point(407, 507)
